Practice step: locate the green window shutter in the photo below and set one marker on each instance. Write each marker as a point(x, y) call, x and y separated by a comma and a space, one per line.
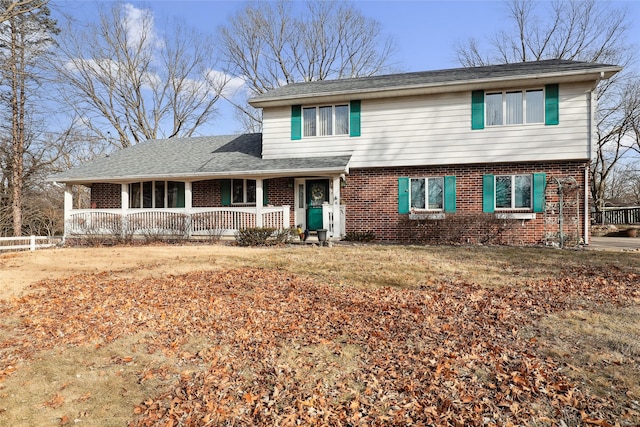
point(449, 193)
point(539, 187)
point(265, 191)
point(551, 105)
point(225, 192)
point(403, 195)
point(488, 193)
point(354, 118)
point(296, 122)
point(477, 109)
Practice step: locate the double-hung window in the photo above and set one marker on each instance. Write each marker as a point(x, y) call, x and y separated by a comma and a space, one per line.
point(515, 107)
point(243, 191)
point(427, 193)
point(325, 120)
point(514, 192)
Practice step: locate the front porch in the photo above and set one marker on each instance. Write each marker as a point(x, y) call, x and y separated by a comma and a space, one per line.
point(188, 223)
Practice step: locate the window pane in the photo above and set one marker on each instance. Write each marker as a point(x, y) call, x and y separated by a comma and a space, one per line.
point(417, 193)
point(134, 195)
point(535, 106)
point(342, 119)
point(435, 192)
point(147, 188)
point(175, 194)
point(514, 108)
point(309, 117)
point(159, 194)
point(237, 191)
point(503, 191)
point(251, 191)
point(523, 191)
point(494, 109)
point(326, 121)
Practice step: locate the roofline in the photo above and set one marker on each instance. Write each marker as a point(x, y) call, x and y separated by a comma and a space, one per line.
point(265, 173)
point(593, 74)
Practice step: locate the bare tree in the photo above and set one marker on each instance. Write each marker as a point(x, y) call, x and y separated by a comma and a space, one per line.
point(128, 83)
point(271, 44)
point(11, 9)
point(24, 39)
point(581, 30)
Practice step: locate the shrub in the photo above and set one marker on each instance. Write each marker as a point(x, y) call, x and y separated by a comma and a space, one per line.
point(359, 236)
point(457, 228)
point(262, 236)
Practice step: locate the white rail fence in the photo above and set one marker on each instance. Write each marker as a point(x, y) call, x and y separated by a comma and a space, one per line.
point(28, 242)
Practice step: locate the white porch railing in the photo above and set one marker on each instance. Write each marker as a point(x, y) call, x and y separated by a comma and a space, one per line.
point(335, 226)
point(182, 222)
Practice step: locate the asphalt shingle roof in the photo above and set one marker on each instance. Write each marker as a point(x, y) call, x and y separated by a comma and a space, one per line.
point(231, 155)
point(428, 78)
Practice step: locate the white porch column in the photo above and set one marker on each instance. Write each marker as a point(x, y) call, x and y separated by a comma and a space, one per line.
point(124, 206)
point(259, 200)
point(188, 195)
point(68, 207)
point(337, 220)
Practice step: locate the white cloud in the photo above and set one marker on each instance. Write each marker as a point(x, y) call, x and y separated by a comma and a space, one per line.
point(139, 25)
point(232, 85)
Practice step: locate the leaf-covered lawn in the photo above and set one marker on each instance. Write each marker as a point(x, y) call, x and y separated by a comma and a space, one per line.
point(266, 347)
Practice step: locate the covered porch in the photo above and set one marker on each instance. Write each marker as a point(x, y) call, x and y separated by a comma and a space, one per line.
point(184, 219)
point(199, 186)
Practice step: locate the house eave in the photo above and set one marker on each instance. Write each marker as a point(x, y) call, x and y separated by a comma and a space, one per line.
point(501, 82)
point(264, 174)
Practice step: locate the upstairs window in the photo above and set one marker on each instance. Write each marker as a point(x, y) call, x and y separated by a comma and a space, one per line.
point(325, 120)
point(341, 119)
point(514, 107)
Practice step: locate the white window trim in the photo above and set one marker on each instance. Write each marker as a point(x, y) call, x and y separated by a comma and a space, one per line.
point(244, 193)
point(524, 107)
point(154, 200)
point(333, 120)
point(426, 196)
point(513, 194)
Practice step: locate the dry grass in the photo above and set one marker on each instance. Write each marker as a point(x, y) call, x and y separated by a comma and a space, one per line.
point(100, 385)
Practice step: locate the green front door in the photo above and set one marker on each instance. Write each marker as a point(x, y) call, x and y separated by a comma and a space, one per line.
point(317, 194)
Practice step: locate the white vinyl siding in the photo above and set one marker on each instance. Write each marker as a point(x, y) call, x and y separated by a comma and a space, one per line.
point(436, 130)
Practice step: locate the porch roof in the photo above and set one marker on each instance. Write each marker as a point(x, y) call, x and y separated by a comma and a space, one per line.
point(195, 158)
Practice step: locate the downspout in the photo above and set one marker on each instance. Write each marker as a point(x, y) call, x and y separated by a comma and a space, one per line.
point(586, 205)
point(591, 149)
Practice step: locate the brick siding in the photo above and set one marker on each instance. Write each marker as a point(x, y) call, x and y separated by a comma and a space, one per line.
point(106, 196)
point(371, 196)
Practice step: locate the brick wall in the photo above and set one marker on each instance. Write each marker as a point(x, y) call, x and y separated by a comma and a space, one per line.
point(281, 192)
point(371, 196)
point(106, 196)
point(206, 194)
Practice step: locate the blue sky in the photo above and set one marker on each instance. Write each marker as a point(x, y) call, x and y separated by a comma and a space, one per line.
point(425, 31)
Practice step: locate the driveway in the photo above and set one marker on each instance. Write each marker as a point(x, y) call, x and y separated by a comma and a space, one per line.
point(614, 244)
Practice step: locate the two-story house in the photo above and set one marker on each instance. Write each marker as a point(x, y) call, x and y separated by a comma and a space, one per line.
point(370, 155)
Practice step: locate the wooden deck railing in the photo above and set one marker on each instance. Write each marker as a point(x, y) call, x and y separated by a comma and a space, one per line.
point(617, 216)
